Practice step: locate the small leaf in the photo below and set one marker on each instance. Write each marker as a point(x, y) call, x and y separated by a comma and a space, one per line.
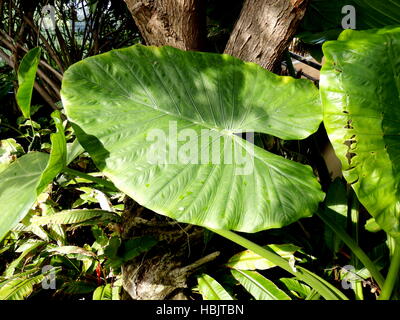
point(134, 247)
point(296, 287)
point(258, 286)
point(58, 154)
point(26, 79)
point(103, 293)
point(78, 287)
point(26, 249)
point(372, 226)
point(111, 250)
point(9, 150)
point(72, 250)
point(74, 149)
point(248, 260)
point(210, 289)
point(76, 216)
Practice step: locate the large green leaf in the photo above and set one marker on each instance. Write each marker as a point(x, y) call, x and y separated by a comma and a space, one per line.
point(26, 79)
point(118, 100)
point(360, 85)
point(18, 188)
point(27, 177)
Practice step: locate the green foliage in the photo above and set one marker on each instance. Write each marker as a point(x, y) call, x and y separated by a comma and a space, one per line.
point(336, 200)
point(26, 79)
point(29, 175)
point(20, 287)
point(76, 216)
point(70, 218)
point(9, 151)
point(299, 289)
point(118, 252)
point(248, 260)
point(359, 89)
point(18, 188)
point(103, 293)
point(258, 286)
point(167, 85)
point(58, 154)
point(210, 289)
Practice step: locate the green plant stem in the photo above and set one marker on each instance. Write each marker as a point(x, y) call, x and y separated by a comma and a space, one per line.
point(323, 287)
point(16, 130)
point(392, 275)
point(358, 290)
point(86, 176)
point(353, 246)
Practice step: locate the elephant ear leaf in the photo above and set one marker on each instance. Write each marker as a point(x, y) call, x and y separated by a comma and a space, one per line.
point(360, 85)
point(148, 115)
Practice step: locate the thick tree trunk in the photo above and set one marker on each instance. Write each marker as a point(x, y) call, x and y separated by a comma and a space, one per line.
point(264, 30)
point(177, 23)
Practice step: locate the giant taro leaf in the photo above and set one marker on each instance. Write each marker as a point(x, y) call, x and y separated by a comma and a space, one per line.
point(360, 89)
point(118, 100)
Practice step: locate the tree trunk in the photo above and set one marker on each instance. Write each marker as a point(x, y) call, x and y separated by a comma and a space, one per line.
point(180, 24)
point(264, 30)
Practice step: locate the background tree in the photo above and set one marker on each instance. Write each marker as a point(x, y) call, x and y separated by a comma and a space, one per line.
point(261, 34)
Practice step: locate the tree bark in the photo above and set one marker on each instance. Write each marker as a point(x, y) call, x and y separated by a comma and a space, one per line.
point(177, 23)
point(264, 30)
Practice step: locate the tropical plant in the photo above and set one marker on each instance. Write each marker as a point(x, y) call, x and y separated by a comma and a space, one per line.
point(140, 112)
point(363, 126)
